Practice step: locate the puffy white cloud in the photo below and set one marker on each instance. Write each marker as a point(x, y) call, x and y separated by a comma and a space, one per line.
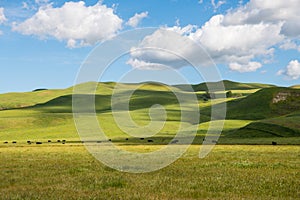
point(257, 11)
point(250, 67)
point(2, 16)
point(292, 70)
point(239, 40)
point(162, 49)
point(74, 22)
point(250, 32)
point(140, 64)
point(136, 19)
point(235, 44)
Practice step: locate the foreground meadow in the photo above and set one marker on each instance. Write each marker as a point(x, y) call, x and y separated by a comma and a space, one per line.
point(68, 171)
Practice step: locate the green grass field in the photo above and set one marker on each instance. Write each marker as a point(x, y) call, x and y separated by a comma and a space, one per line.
point(229, 172)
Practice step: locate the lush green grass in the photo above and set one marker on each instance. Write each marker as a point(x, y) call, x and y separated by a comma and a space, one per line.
point(260, 105)
point(276, 128)
point(229, 172)
point(228, 85)
point(19, 100)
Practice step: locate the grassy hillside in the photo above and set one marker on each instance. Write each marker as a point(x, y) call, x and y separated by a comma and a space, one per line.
point(27, 99)
point(20, 100)
point(296, 86)
point(283, 126)
point(262, 105)
point(48, 113)
point(229, 85)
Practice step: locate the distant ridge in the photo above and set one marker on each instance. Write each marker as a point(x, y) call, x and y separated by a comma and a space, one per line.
point(26, 99)
point(229, 85)
point(296, 86)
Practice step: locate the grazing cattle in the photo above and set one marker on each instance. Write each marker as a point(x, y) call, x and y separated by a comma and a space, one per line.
point(109, 140)
point(39, 143)
point(49, 140)
point(28, 142)
point(214, 141)
point(14, 142)
point(174, 141)
point(58, 140)
point(150, 140)
point(5, 142)
point(63, 140)
point(274, 143)
point(126, 139)
point(142, 138)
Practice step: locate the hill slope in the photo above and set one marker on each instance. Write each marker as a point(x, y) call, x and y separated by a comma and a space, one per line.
point(21, 100)
point(265, 103)
point(229, 85)
point(296, 86)
point(285, 126)
point(269, 112)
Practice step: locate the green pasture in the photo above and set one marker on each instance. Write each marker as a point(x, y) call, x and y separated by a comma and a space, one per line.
point(228, 172)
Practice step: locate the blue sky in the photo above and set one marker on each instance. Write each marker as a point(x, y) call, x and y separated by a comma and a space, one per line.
point(43, 43)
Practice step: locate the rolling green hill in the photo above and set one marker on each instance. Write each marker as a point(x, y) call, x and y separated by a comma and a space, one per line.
point(296, 86)
point(261, 104)
point(228, 85)
point(25, 99)
point(265, 103)
point(21, 100)
point(285, 126)
point(263, 111)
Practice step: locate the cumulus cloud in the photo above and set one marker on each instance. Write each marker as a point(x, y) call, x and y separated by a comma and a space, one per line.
point(236, 45)
point(250, 67)
point(74, 22)
point(2, 16)
point(140, 64)
point(161, 50)
point(246, 40)
point(292, 70)
point(136, 19)
point(258, 11)
point(243, 38)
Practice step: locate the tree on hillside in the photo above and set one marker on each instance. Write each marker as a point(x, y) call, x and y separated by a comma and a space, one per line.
point(229, 94)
